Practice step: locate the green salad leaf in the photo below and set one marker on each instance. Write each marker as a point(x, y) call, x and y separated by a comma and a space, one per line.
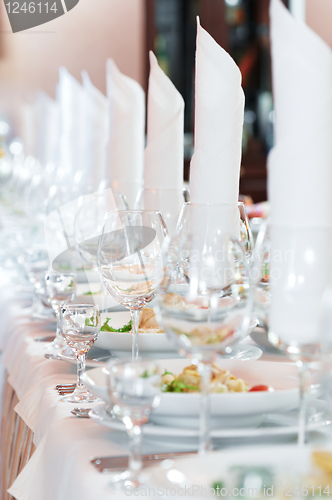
point(178, 386)
point(107, 328)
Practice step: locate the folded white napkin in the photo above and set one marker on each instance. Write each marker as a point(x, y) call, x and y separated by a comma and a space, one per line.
point(163, 173)
point(300, 173)
point(95, 133)
point(125, 164)
point(41, 128)
point(300, 178)
point(215, 166)
point(165, 119)
point(70, 96)
point(219, 108)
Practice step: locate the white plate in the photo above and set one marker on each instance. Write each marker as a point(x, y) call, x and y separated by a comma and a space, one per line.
point(147, 342)
point(287, 463)
point(280, 425)
point(228, 410)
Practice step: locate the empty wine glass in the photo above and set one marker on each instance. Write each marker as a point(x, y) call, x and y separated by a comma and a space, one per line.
point(204, 302)
point(35, 262)
point(80, 326)
point(129, 260)
point(89, 223)
point(168, 202)
point(61, 289)
point(290, 283)
point(134, 389)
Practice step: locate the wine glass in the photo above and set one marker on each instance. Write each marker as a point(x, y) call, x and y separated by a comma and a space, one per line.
point(61, 289)
point(134, 389)
point(80, 327)
point(204, 302)
point(168, 202)
point(35, 261)
point(89, 223)
point(290, 283)
point(129, 260)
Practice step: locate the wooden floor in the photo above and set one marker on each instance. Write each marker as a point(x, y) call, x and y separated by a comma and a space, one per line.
point(16, 446)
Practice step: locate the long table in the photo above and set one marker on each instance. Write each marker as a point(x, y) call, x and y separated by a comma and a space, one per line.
point(45, 450)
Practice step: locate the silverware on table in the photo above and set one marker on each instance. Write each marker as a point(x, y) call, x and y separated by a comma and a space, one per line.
point(81, 412)
point(110, 464)
point(46, 338)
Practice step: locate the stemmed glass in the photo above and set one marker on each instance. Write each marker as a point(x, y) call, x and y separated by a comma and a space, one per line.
point(168, 202)
point(290, 283)
point(80, 327)
point(204, 302)
point(129, 260)
point(35, 262)
point(60, 289)
point(134, 389)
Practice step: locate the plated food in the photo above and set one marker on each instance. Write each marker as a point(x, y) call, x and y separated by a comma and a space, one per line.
point(189, 381)
point(228, 409)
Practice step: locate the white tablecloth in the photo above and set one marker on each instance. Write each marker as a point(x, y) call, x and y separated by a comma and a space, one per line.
point(60, 468)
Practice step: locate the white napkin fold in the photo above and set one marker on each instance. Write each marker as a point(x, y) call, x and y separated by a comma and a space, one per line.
point(165, 119)
point(219, 108)
point(41, 128)
point(300, 178)
point(70, 95)
point(125, 164)
point(300, 173)
point(94, 133)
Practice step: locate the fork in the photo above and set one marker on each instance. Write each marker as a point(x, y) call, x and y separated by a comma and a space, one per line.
point(109, 464)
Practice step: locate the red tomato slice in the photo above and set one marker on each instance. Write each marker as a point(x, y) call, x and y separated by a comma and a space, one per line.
point(259, 388)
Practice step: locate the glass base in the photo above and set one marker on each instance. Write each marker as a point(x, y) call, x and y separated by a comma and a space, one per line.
point(55, 345)
point(79, 397)
point(299, 352)
point(127, 482)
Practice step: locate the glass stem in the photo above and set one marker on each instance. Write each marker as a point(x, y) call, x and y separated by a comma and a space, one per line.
point(135, 448)
point(80, 358)
point(303, 369)
point(134, 328)
point(204, 369)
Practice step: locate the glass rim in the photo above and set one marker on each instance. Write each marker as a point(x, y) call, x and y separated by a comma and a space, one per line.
point(65, 273)
point(135, 211)
point(190, 203)
point(79, 306)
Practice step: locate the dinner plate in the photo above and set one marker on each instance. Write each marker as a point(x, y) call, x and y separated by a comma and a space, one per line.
point(272, 425)
point(284, 467)
point(228, 410)
point(147, 341)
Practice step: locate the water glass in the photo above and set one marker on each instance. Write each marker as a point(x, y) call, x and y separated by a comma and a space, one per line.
point(80, 327)
point(134, 389)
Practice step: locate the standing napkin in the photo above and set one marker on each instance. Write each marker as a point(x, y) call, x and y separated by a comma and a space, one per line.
point(215, 166)
point(164, 150)
point(163, 174)
point(125, 164)
point(41, 128)
point(219, 109)
point(94, 134)
point(300, 177)
point(70, 95)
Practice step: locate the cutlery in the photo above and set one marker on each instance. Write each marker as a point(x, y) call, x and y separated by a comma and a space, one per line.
point(61, 386)
point(110, 464)
point(81, 412)
point(47, 338)
point(58, 357)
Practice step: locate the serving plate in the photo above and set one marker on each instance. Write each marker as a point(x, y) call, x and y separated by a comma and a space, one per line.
point(147, 341)
point(228, 410)
point(272, 425)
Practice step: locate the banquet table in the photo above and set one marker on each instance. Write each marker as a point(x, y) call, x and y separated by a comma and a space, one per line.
point(45, 450)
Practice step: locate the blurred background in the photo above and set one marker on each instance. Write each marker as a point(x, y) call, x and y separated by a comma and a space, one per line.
point(125, 30)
